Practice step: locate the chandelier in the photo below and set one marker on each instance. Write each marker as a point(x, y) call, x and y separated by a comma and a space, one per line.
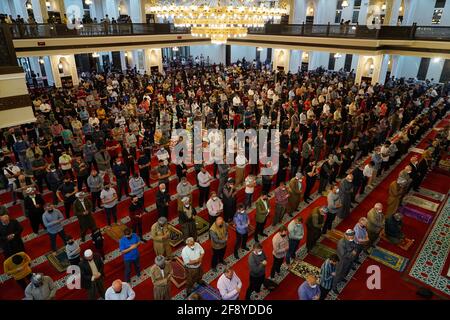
point(219, 20)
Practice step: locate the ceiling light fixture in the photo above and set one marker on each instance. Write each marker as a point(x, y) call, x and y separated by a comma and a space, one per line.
point(344, 4)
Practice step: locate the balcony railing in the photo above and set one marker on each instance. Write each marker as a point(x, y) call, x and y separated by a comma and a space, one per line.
point(414, 32)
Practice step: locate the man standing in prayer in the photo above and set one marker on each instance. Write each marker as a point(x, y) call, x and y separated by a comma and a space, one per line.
point(309, 290)
point(219, 237)
point(376, 220)
point(281, 203)
point(346, 251)
point(120, 291)
point(187, 219)
point(327, 274)
point(314, 226)
point(229, 285)
point(296, 233)
point(280, 243)
point(262, 212)
point(192, 255)
point(91, 268)
point(295, 188)
point(82, 208)
point(160, 234)
point(161, 273)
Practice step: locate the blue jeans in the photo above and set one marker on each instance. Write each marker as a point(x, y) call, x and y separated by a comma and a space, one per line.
point(137, 268)
point(293, 245)
point(63, 236)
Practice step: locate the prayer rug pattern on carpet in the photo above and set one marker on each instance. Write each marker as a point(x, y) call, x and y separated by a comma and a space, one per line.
point(322, 251)
point(422, 203)
point(208, 292)
point(431, 194)
point(416, 214)
point(302, 269)
point(389, 259)
point(176, 236)
point(201, 224)
point(428, 266)
point(179, 272)
point(59, 261)
point(334, 235)
point(115, 232)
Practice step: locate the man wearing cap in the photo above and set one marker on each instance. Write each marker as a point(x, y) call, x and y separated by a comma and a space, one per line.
point(192, 255)
point(262, 212)
point(40, 288)
point(346, 251)
point(128, 246)
point(162, 201)
point(314, 226)
point(53, 219)
point(187, 219)
point(82, 208)
point(375, 223)
point(34, 208)
point(393, 228)
point(91, 269)
point(219, 237)
point(161, 273)
point(160, 234)
point(397, 190)
point(120, 290)
point(295, 188)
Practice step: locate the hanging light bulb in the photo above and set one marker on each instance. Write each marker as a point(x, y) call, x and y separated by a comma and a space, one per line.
point(48, 4)
point(41, 60)
point(175, 49)
point(95, 55)
point(259, 49)
point(337, 55)
point(344, 4)
point(383, 6)
point(88, 2)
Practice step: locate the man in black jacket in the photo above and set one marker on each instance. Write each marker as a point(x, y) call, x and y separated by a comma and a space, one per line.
point(10, 236)
point(91, 268)
point(162, 201)
point(34, 208)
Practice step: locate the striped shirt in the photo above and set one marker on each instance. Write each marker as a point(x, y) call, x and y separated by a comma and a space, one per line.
point(326, 277)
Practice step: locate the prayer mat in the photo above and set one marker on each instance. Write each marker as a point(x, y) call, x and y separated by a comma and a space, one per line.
point(416, 214)
point(302, 269)
point(432, 194)
point(208, 292)
point(251, 228)
point(176, 236)
point(444, 164)
point(322, 251)
point(389, 259)
point(201, 224)
point(334, 235)
point(115, 232)
point(405, 244)
point(417, 150)
point(179, 272)
point(59, 261)
point(422, 203)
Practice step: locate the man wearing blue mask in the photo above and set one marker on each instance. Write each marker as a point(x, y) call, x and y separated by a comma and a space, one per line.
point(192, 255)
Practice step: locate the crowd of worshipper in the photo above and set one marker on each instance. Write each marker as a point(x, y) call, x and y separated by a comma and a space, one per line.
point(92, 147)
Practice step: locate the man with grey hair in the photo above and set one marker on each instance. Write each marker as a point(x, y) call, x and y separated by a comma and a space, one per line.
point(120, 291)
point(375, 219)
point(361, 236)
point(184, 189)
point(192, 255)
point(40, 288)
point(161, 273)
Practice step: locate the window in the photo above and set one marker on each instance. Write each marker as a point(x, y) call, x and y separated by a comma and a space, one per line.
point(331, 61)
point(357, 4)
point(423, 68)
point(86, 10)
point(355, 16)
point(337, 18)
point(439, 4)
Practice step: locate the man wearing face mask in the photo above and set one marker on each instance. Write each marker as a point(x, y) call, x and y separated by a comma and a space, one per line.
point(257, 262)
point(241, 222)
point(192, 255)
point(204, 181)
point(137, 186)
point(229, 285)
point(280, 243)
point(109, 201)
point(120, 170)
point(92, 277)
point(334, 207)
point(161, 273)
point(229, 200)
point(73, 251)
point(95, 183)
point(53, 219)
point(281, 203)
point(34, 208)
point(66, 193)
point(160, 234)
point(346, 251)
point(40, 288)
point(295, 188)
point(187, 219)
point(361, 237)
point(215, 207)
point(128, 245)
point(262, 212)
point(82, 208)
point(397, 190)
point(120, 291)
point(296, 233)
point(162, 201)
point(375, 225)
point(309, 290)
point(345, 195)
point(184, 189)
point(164, 173)
point(219, 237)
point(136, 213)
point(162, 154)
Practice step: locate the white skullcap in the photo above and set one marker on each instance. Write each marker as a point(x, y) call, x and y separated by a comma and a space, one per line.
point(88, 253)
